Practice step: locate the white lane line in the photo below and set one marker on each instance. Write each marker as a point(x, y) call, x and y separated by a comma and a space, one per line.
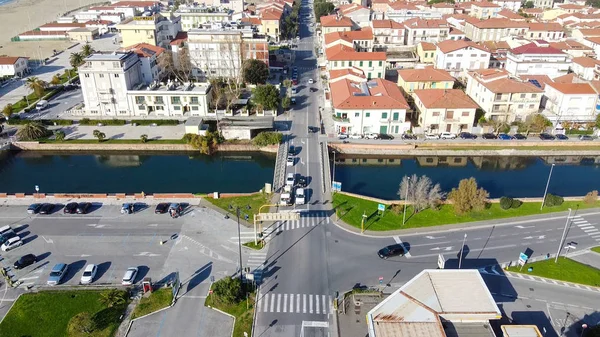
point(266, 300)
point(259, 305)
point(304, 304)
point(285, 302)
point(272, 303)
point(278, 302)
point(317, 301)
point(310, 303)
point(298, 304)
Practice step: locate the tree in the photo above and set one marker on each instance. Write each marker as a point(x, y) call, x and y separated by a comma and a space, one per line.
point(228, 290)
point(38, 86)
point(76, 59)
point(528, 4)
point(81, 324)
point(144, 138)
point(256, 72)
point(32, 131)
point(467, 197)
point(421, 192)
point(55, 80)
point(598, 121)
point(8, 110)
point(99, 134)
point(537, 122)
point(323, 8)
point(593, 331)
point(266, 96)
point(113, 297)
point(59, 135)
point(87, 50)
point(286, 102)
point(288, 84)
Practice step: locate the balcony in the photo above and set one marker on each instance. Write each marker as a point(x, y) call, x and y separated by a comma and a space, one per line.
point(518, 99)
point(340, 119)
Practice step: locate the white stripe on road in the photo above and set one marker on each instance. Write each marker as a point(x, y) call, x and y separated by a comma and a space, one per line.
point(291, 302)
point(266, 300)
point(591, 230)
point(28, 278)
point(398, 240)
point(325, 304)
point(285, 302)
point(586, 227)
point(278, 302)
point(310, 303)
point(272, 302)
point(317, 301)
point(259, 304)
point(327, 220)
point(298, 303)
point(304, 305)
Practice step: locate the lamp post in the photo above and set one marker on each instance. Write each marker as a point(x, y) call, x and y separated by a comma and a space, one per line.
point(461, 251)
point(560, 243)
point(333, 177)
point(239, 241)
point(583, 327)
point(547, 184)
point(406, 201)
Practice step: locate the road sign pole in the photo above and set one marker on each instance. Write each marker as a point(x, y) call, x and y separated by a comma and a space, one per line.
point(547, 184)
point(563, 237)
point(362, 223)
point(461, 251)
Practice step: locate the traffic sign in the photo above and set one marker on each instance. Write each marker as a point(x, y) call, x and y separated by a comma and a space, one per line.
point(336, 186)
point(380, 279)
point(381, 207)
point(441, 261)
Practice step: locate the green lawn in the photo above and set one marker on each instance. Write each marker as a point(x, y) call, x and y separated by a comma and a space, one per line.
point(251, 245)
point(243, 312)
point(596, 249)
point(254, 201)
point(350, 210)
point(565, 270)
point(159, 299)
point(48, 313)
point(115, 141)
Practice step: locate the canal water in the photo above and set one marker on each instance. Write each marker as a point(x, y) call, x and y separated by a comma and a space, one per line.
point(380, 176)
point(66, 172)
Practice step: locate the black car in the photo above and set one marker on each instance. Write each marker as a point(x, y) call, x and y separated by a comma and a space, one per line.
point(546, 136)
point(301, 182)
point(34, 208)
point(561, 137)
point(391, 251)
point(7, 235)
point(47, 208)
point(519, 136)
point(408, 136)
point(385, 136)
point(292, 150)
point(489, 136)
point(467, 135)
point(25, 261)
point(70, 208)
point(83, 207)
point(586, 137)
point(161, 208)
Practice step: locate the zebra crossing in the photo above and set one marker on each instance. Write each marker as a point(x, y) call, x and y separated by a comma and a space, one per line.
point(294, 304)
point(586, 227)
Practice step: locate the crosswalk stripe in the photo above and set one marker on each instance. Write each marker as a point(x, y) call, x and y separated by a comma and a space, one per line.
point(325, 306)
point(259, 305)
point(266, 300)
point(310, 303)
point(291, 302)
point(318, 311)
point(586, 227)
point(327, 218)
point(272, 302)
point(285, 302)
point(304, 305)
point(591, 230)
point(278, 302)
point(298, 303)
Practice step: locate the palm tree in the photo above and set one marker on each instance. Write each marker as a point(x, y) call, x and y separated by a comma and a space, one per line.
point(112, 298)
point(38, 86)
point(59, 135)
point(8, 110)
point(76, 59)
point(87, 50)
point(32, 131)
point(55, 80)
point(144, 138)
point(99, 134)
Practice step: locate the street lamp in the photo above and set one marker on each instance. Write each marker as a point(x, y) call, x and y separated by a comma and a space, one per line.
point(362, 223)
point(583, 327)
point(406, 201)
point(546, 190)
point(563, 236)
point(461, 251)
point(333, 177)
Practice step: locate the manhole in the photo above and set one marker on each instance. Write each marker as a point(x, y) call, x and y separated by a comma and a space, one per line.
point(531, 289)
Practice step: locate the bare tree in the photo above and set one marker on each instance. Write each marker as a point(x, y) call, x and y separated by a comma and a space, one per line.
point(422, 193)
point(182, 70)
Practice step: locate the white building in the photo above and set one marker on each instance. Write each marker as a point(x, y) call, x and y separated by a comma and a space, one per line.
point(419, 30)
point(445, 110)
point(570, 102)
point(458, 56)
point(13, 66)
point(537, 58)
point(513, 5)
point(357, 13)
point(149, 57)
point(194, 16)
point(584, 67)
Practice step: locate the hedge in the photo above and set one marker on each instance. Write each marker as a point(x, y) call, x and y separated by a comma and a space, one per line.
point(155, 121)
point(553, 200)
point(94, 122)
point(579, 132)
point(267, 138)
point(19, 121)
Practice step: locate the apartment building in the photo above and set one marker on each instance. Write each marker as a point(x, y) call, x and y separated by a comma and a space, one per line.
point(195, 16)
point(271, 19)
point(237, 6)
point(572, 48)
point(155, 30)
point(584, 67)
point(14, 66)
point(387, 34)
point(570, 102)
point(498, 51)
point(513, 5)
point(401, 11)
point(445, 110)
point(426, 78)
point(112, 87)
point(372, 64)
point(484, 10)
point(543, 3)
point(493, 29)
point(360, 40)
point(456, 57)
point(149, 56)
point(369, 106)
point(419, 30)
point(502, 97)
point(426, 52)
point(358, 14)
point(547, 31)
point(221, 53)
point(335, 23)
point(537, 58)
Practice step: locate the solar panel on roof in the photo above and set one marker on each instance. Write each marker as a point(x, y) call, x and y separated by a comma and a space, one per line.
point(536, 83)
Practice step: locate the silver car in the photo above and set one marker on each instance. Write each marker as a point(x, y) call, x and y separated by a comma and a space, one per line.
point(57, 273)
point(89, 273)
point(129, 277)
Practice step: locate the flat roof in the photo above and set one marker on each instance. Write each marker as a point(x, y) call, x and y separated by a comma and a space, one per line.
point(521, 331)
point(116, 56)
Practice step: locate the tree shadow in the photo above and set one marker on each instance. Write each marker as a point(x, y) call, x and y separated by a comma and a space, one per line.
point(108, 316)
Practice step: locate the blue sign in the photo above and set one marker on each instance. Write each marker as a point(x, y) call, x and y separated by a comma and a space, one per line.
point(523, 256)
point(381, 207)
point(336, 186)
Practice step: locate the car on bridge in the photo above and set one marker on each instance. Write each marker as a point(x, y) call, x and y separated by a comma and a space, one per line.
point(290, 180)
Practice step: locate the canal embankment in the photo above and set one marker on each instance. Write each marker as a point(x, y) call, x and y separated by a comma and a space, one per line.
point(137, 146)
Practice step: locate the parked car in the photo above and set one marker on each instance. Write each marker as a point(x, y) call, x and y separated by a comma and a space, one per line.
point(385, 136)
point(127, 208)
point(129, 277)
point(310, 81)
point(83, 207)
point(294, 91)
point(488, 136)
point(432, 136)
point(546, 136)
point(11, 244)
point(391, 251)
point(7, 236)
point(57, 273)
point(372, 136)
point(560, 136)
point(408, 136)
point(586, 137)
point(289, 179)
point(519, 136)
point(24, 261)
point(467, 135)
point(504, 136)
point(161, 208)
point(5, 229)
point(292, 150)
point(70, 208)
point(46, 208)
point(289, 161)
point(34, 208)
point(447, 135)
point(293, 100)
point(302, 182)
point(342, 136)
point(355, 136)
point(88, 274)
point(176, 207)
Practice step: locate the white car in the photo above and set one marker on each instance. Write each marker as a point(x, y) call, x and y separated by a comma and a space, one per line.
point(355, 136)
point(129, 277)
point(89, 273)
point(342, 136)
point(289, 180)
point(448, 135)
point(432, 136)
point(289, 161)
point(11, 244)
point(310, 81)
point(294, 91)
point(372, 136)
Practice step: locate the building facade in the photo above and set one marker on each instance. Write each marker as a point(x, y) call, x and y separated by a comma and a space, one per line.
point(570, 102)
point(445, 110)
point(155, 30)
point(14, 66)
point(537, 58)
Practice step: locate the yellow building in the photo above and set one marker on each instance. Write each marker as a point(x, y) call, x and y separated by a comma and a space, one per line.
point(271, 22)
point(427, 78)
point(426, 52)
point(155, 30)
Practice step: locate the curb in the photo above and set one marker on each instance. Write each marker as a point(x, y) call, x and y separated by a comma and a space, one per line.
point(9, 309)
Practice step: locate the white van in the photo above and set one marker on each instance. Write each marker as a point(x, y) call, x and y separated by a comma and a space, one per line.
point(285, 200)
point(5, 229)
point(41, 105)
point(300, 196)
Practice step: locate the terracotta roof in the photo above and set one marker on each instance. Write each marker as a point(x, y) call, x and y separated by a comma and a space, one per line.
point(39, 32)
point(594, 39)
point(422, 23)
point(496, 23)
point(545, 27)
point(445, 99)
point(343, 53)
point(374, 94)
point(498, 81)
point(9, 60)
point(350, 36)
point(354, 71)
point(510, 14)
point(449, 46)
point(252, 20)
point(271, 14)
point(425, 75)
point(569, 45)
point(442, 5)
point(136, 4)
point(335, 21)
point(541, 79)
point(570, 6)
point(65, 25)
point(590, 32)
point(145, 50)
point(180, 38)
point(386, 24)
point(427, 46)
point(494, 46)
point(595, 85)
point(400, 5)
point(587, 62)
point(573, 88)
point(568, 78)
point(350, 8)
point(532, 48)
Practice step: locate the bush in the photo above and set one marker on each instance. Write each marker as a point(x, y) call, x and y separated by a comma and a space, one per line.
point(397, 209)
point(94, 122)
point(506, 202)
point(591, 197)
point(18, 121)
point(228, 290)
point(516, 203)
point(554, 200)
point(268, 138)
point(155, 121)
point(61, 122)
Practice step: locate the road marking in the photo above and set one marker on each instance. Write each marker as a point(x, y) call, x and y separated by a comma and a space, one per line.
point(259, 304)
point(522, 227)
point(591, 230)
point(586, 227)
point(47, 240)
point(310, 303)
point(285, 296)
point(398, 240)
point(298, 304)
point(278, 302)
point(272, 302)
point(318, 311)
point(327, 220)
point(325, 305)
point(304, 305)
point(291, 302)
point(28, 278)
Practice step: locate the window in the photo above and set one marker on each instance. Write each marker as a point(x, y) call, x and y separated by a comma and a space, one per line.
point(361, 63)
point(357, 114)
point(194, 108)
point(380, 63)
point(370, 64)
point(175, 100)
point(465, 114)
point(101, 75)
point(523, 95)
point(531, 106)
point(520, 106)
point(139, 99)
point(482, 55)
point(161, 108)
point(384, 115)
point(158, 100)
point(396, 116)
point(533, 95)
point(194, 100)
point(116, 75)
point(349, 63)
point(369, 76)
point(367, 114)
point(449, 114)
point(448, 65)
point(459, 55)
point(176, 107)
point(433, 85)
point(122, 112)
point(335, 63)
point(87, 75)
point(473, 55)
point(379, 75)
point(498, 97)
point(435, 114)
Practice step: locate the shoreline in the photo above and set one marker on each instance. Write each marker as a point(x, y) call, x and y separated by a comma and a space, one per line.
point(136, 147)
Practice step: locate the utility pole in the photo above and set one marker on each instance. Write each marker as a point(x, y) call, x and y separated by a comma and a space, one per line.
point(547, 184)
point(239, 241)
point(560, 243)
point(362, 223)
point(461, 251)
point(406, 201)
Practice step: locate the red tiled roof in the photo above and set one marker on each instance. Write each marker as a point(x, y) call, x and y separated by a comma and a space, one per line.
point(427, 46)
point(39, 32)
point(422, 23)
point(386, 24)
point(9, 60)
point(568, 78)
point(271, 14)
point(425, 75)
point(494, 46)
point(594, 39)
point(541, 79)
point(374, 94)
point(145, 49)
point(335, 21)
point(333, 74)
point(587, 62)
point(252, 20)
point(569, 45)
point(180, 38)
point(532, 48)
point(545, 27)
point(449, 46)
point(344, 53)
point(65, 25)
point(350, 36)
point(497, 81)
point(445, 99)
point(573, 88)
point(590, 32)
point(496, 23)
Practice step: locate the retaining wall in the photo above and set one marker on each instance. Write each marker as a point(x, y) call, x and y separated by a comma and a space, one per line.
point(37, 146)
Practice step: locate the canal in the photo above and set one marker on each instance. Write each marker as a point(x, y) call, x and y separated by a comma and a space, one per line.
point(380, 176)
point(66, 172)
